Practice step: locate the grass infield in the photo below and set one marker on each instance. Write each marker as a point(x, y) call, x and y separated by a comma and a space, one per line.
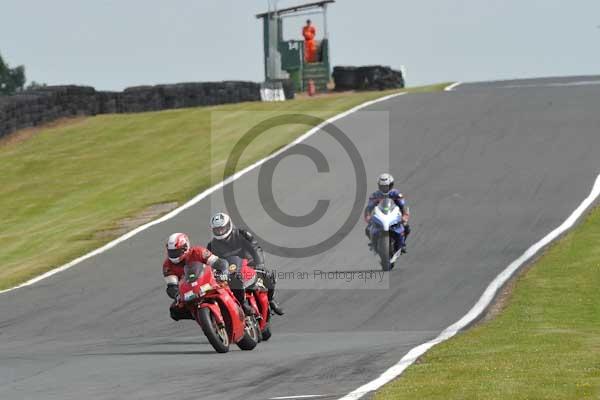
point(544, 343)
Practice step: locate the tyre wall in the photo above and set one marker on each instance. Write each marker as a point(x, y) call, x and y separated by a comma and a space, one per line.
point(35, 107)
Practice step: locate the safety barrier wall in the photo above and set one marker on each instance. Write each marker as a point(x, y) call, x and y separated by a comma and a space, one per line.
point(36, 107)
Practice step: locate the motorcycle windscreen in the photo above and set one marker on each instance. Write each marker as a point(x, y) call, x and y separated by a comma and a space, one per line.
point(387, 205)
point(194, 271)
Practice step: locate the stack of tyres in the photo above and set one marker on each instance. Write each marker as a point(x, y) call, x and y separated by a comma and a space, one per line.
point(345, 78)
point(45, 104)
point(379, 78)
point(372, 77)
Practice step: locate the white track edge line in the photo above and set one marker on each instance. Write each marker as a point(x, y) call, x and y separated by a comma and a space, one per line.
point(306, 396)
point(451, 87)
point(479, 307)
point(200, 196)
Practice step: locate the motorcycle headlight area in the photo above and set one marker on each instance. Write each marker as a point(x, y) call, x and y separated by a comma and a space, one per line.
point(207, 287)
point(190, 295)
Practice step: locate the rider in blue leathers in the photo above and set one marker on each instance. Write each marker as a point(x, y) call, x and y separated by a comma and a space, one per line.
point(385, 183)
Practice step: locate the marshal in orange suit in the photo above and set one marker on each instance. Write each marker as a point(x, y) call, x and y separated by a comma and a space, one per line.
point(310, 44)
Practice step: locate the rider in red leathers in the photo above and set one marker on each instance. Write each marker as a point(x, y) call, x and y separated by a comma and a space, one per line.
point(179, 254)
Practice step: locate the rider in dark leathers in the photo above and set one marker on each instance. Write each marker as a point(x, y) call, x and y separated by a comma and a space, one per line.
point(229, 241)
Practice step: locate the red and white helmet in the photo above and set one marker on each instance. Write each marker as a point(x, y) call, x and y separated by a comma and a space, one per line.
point(178, 247)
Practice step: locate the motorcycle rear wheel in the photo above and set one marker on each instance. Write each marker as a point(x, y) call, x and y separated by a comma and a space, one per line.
point(217, 336)
point(266, 333)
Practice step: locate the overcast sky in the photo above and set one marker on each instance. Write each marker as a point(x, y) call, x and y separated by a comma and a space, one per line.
point(112, 44)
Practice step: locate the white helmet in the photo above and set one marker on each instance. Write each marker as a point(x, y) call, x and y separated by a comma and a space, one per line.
point(221, 226)
point(385, 182)
point(178, 247)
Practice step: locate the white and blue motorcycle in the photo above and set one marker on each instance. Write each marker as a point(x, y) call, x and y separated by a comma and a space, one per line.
point(386, 232)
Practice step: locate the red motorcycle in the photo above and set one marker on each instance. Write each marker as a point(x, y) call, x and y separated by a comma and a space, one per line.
point(215, 308)
point(256, 295)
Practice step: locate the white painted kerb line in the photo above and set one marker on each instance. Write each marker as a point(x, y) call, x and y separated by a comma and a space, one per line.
point(200, 196)
point(451, 87)
point(483, 302)
point(305, 396)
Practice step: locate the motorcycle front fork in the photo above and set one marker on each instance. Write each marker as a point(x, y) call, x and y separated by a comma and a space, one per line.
point(396, 242)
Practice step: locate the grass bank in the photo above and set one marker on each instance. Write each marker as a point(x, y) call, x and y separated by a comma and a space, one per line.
point(545, 343)
point(70, 188)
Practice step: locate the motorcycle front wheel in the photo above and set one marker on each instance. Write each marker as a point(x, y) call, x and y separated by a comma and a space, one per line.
point(217, 336)
point(384, 251)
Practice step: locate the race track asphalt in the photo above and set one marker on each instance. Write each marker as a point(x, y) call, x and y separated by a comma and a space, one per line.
point(488, 169)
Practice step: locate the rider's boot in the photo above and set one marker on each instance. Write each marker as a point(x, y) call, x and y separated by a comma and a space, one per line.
point(368, 234)
point(273, 303)
point(240, 295)
point(270, 280)
point(276, 307)
point(402, 244)
point(247, 309)
point(406, 233)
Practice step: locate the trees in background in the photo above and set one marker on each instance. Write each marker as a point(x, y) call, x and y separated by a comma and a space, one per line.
point(11, 79)
point(35, 85)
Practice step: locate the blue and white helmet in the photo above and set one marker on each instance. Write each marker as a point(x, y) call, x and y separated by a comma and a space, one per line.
point(221, 226)
point(385, 182)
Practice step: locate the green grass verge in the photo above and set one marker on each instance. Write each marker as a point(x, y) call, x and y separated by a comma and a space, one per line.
point(545, 344)
point(65, 190)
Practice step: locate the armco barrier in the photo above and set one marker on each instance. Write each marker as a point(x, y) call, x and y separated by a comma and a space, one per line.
point(36, 107)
